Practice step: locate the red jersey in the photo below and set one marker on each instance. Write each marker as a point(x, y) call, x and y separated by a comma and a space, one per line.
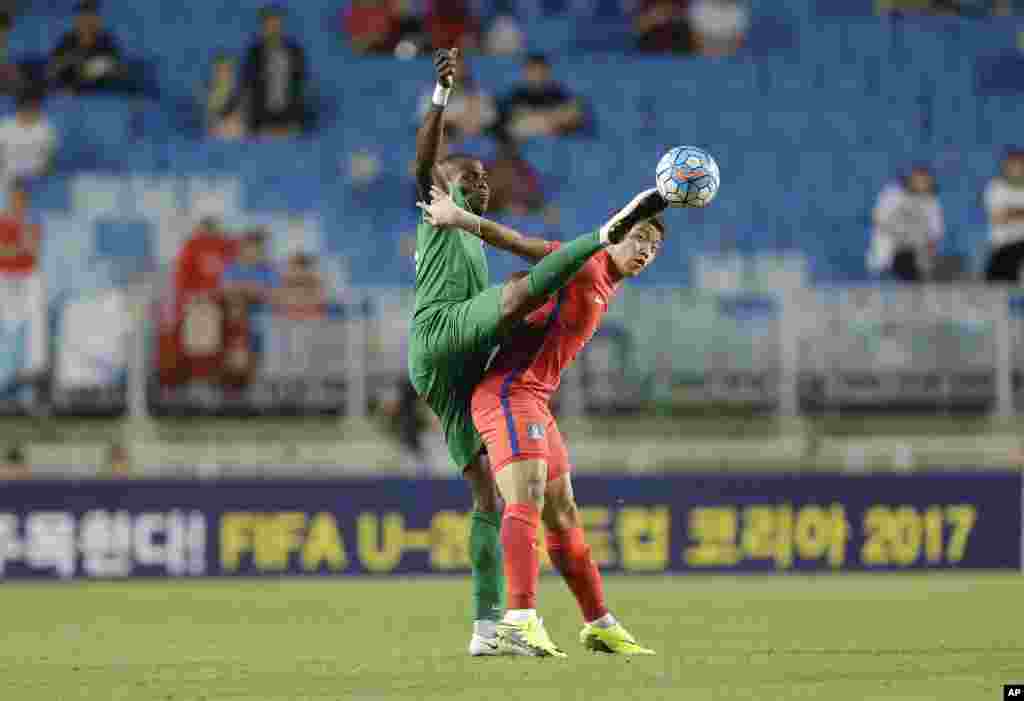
point(537, 352)
point(13, 234)
point(201, 263)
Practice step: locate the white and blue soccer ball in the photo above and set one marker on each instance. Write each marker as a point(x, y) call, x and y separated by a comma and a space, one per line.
point(688, 177)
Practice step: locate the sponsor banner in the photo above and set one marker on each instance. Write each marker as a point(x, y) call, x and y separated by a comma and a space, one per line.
point(670, 524)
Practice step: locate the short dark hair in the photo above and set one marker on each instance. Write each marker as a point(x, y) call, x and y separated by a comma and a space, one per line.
point(87, 7)
point(6, 21)
point(537, 59)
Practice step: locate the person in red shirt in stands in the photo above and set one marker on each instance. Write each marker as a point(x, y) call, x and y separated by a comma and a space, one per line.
point(301, 294)
point(451, 23)
point(19, 240)
point(198, 337)
point(22, 294)
point(373, 26)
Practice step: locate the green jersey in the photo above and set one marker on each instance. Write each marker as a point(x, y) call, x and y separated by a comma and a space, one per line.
point(450, 264)
point(454, 329)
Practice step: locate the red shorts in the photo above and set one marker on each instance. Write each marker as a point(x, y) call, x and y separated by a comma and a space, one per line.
point(519, 427)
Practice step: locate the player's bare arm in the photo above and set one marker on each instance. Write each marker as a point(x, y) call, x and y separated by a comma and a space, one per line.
point(443, 212)
point(431, 133)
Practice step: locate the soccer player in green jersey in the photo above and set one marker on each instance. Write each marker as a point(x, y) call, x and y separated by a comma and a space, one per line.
point(458, 319)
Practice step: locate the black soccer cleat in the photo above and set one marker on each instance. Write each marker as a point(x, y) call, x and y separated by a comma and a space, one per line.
point(647, 204)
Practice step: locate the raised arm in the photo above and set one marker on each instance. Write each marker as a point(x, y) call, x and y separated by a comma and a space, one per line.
point(443, 212)
point(431, 132)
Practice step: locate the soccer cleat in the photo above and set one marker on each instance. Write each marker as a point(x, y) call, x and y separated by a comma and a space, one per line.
point(647, 204)
point(479, 646)
point(527, 638)
point(615, 640)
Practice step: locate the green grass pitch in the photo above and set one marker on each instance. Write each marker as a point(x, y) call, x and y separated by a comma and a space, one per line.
point(838, 638)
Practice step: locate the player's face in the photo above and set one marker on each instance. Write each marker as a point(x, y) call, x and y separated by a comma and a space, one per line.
point(472, 181)
point(637, 250)
point(88, 23)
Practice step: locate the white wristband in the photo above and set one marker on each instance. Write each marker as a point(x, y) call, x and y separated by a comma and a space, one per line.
point(441, 94)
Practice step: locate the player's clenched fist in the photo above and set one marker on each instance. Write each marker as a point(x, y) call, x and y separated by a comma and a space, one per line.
point(444, 63)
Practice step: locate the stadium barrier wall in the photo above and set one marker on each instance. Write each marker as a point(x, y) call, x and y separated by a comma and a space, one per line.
point(652, 524)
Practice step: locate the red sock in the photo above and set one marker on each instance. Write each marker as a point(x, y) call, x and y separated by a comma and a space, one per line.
point(571, 555)
point(522, 561)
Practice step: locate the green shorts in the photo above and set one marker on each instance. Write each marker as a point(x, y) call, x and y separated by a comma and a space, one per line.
point(449, 346)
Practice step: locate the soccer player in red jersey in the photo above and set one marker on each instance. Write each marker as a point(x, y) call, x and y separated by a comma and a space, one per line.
point(527, 454)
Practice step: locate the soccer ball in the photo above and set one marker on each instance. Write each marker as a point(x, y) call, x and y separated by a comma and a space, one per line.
point(687, 177)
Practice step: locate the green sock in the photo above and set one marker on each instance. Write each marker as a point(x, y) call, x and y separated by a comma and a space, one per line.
point(485, 559)
point(556, 269)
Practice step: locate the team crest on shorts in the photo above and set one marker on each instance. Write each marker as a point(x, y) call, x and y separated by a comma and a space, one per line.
point(535, 431)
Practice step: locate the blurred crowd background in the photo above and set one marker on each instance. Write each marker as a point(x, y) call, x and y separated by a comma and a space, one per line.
point(206, 242)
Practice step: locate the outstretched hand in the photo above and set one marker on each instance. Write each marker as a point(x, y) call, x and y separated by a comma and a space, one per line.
point(442, 210)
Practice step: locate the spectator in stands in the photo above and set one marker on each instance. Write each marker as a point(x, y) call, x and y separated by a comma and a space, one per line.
point(19, 239)
point(301, 294)
point(274, 76)
point(251, 275)
point(450, 23)
point(248, 284)
point(87, 57)
point(11, 78)
point(1004, 200)
point(471, 110)
point(515, 185)
point(662, 26)
point(27, 140)
point(718, 26)
point(199, 312)
point(373, 26)
point(539, 106)
point(908, 227)
point(223, 100)
point(22, 292)
point(202, 260)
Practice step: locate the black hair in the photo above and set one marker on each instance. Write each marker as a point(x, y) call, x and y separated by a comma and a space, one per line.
point(658, 225)
point(537, 59)
point(6, 21)
point(87, 7)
